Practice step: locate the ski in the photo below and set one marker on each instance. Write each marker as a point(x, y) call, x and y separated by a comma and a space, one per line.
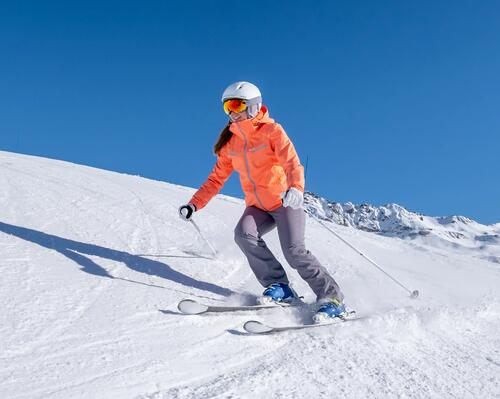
point(191, 307)
point(256, 327)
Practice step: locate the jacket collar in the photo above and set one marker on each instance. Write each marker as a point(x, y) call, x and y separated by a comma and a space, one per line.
point(249, 126)
point(263, 116)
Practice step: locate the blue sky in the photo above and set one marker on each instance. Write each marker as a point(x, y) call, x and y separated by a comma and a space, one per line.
point(390, 101)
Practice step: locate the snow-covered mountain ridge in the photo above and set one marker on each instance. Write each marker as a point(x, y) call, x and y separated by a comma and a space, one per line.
point(394, 220)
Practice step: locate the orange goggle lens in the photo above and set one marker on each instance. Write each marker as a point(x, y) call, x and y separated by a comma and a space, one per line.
point(234, 105)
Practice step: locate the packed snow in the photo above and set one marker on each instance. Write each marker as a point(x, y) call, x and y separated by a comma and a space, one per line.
point(93, 264)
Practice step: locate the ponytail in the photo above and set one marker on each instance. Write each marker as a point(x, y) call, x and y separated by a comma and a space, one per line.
point(224, 137)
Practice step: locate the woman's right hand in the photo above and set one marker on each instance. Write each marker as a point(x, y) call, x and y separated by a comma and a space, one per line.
point(187, 211)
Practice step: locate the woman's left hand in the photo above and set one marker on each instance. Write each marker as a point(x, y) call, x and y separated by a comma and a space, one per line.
point(293, 198)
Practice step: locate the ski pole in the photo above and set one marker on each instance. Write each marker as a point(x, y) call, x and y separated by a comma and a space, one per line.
point(413, 294)
point(203, 238)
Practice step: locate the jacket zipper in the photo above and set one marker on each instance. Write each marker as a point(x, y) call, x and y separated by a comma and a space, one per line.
point(248, 166)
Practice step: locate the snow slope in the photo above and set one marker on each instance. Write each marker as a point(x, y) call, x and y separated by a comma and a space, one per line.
point(89, 257)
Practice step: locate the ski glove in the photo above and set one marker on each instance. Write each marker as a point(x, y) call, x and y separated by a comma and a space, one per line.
point(293, 198)
point(186, 211)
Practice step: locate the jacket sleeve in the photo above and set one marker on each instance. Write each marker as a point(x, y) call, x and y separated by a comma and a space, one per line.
point(287, 156)
point(220, 173)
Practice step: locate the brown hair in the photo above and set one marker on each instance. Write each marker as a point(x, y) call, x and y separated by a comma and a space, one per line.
point(224, 137)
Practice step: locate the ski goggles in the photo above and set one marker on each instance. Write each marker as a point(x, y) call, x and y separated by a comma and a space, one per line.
point(235, 105)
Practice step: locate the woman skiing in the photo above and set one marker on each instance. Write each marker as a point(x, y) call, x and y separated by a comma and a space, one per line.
point(272, 179)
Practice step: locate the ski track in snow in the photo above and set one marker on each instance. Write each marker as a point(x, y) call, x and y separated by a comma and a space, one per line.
point(89, 257)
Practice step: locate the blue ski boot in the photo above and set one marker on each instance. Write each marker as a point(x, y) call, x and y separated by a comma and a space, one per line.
point(330, 310)
point(278, 292)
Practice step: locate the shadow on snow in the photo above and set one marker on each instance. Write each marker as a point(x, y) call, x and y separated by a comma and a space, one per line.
point(76, 251)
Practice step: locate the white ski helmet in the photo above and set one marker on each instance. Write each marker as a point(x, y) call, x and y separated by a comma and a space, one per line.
point(245, 91)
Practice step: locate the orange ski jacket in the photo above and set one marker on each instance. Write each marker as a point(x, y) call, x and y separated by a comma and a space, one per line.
point(265, 158)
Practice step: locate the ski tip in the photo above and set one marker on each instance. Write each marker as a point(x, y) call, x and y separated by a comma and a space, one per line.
point(188, 306)
point(256, 327)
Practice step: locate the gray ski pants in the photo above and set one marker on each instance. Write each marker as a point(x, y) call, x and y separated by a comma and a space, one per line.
point(291, 231)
